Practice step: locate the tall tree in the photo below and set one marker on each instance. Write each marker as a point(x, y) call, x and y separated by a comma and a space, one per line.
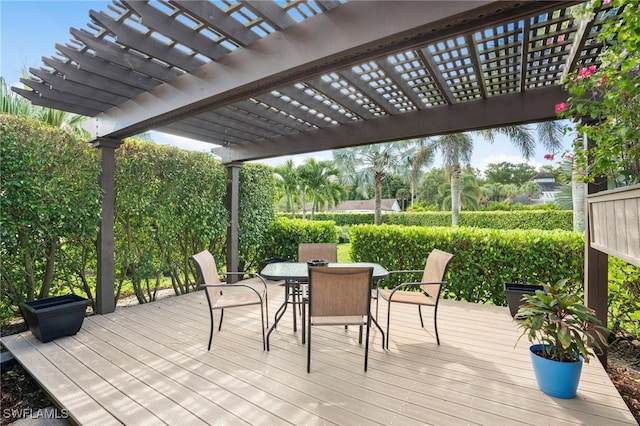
point(530, 188)
point(457, 149)
point(320, 180)
point(470, 193)
point(506, 172)
point(288, 181)
point(369, 165)
point(417, 160)
point(510, 191)
point(429, 183)
point(492, 191)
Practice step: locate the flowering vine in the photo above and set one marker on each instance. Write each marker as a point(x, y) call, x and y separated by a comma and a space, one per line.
point(605, 97)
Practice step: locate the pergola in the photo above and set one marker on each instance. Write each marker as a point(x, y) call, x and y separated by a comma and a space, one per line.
point(260, 79)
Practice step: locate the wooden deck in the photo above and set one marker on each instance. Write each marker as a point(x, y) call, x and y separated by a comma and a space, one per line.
point(149, 365)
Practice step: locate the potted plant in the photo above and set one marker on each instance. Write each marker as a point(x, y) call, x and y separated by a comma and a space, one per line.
point(561, 329)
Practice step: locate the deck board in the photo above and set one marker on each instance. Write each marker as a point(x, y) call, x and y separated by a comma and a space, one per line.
point(149, 364)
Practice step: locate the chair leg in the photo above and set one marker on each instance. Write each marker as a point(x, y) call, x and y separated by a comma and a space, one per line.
point(366, 344)
point(294, 292)
point(420, 313)
point(309, 345)
point(266, 308)
point(210, 329)
point(360, 335)
point(388, 320)
point(264, 340)
point(435, 323)
point(221, 315)
point(304, 323)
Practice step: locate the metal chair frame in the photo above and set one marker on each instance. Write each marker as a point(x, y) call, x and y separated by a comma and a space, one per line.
point(209, 276)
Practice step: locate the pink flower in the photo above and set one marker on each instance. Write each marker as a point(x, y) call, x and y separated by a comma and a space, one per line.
point(561, 107)
point(568, 156)
point(606, 2)
point(586, 71)
point(548, 157)
point(602, 82)
point(561, 37)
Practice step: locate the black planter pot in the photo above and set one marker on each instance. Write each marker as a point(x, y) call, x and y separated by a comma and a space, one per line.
point(55, 317)
point(514, 293)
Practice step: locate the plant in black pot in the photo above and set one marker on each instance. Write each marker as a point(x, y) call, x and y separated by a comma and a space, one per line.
point(562, 329)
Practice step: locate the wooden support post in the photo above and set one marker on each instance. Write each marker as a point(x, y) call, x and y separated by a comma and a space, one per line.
point(105, 282)
point(596, 266)
point(233, 205)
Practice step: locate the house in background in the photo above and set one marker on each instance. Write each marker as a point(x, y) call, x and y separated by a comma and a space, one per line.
point(389, 205)
point(548, 185)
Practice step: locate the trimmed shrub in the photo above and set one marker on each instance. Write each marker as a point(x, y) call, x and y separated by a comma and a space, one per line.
point(284, 235)
point(519, 219)
point(485, 258)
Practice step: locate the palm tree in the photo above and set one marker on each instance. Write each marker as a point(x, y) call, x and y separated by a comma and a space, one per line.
point(12, 104)
point(510, 191)
point(287, 178)
point(457, 148)
point(493, 191)
point(403, 195)
point(320, 181)
point(530, 188)
point(470, 193)
point(64, 120)
point(369, 165)
point(417, 160)
point(571, 196)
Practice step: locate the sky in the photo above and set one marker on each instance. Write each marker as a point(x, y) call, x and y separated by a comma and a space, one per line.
point(29, 30)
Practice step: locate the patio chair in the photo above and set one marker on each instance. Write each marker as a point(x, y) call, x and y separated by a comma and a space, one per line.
point(307, 252)
point(339, 296)
point(311, 251)
point(424, 293)
point(222, 295)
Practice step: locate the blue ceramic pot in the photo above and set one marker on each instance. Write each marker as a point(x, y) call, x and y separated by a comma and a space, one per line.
point(555, 378)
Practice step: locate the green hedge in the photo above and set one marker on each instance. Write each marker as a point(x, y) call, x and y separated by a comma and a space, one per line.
point(340, 219)
point(519, 219)
point(169, 205)
point(284, 235)
point(485, 258)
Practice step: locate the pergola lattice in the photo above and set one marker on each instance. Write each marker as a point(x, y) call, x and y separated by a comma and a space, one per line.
point(399, 58)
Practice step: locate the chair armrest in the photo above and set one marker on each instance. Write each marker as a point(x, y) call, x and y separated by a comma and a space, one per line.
point(403, 271)
point(413, 284)
point(253, 274)
point(238, 284)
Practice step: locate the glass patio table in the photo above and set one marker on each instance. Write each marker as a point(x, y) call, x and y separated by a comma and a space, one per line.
point(294, 273)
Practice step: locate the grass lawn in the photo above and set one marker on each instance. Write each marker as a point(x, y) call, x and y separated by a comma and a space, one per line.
point(343, 252)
